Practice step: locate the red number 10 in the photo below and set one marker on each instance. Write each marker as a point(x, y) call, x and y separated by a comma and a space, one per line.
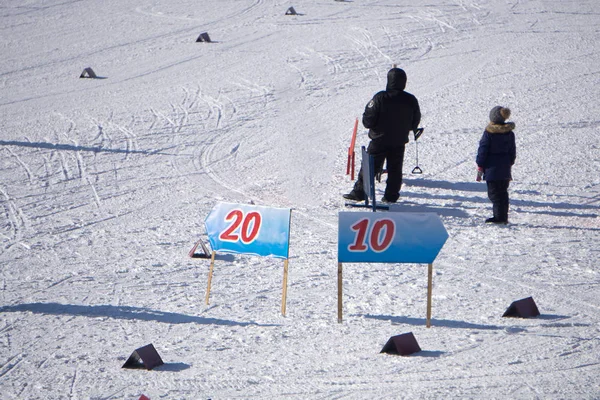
point(250, 226)
point(379, 237)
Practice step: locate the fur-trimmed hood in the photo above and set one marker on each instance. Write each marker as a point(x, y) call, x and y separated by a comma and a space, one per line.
point(500, 128)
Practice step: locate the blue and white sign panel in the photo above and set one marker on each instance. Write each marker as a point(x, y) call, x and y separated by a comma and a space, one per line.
point(390, 237)
point(249, 229)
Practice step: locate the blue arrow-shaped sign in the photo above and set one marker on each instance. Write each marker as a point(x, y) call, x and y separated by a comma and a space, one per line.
point(390, 237)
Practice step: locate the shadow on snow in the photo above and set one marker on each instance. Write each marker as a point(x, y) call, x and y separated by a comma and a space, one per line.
point(69, 147)
point(172, 367)
point(467, 325)
point(120, 312)
point(562, 209)
point(434, 322)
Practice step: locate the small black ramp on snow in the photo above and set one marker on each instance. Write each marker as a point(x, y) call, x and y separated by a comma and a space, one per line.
point(204, 38)
point(524, 308)
point(146, 357)
point(88, 73)
point(403, 345)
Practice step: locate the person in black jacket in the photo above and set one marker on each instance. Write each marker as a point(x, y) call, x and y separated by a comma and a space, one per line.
point(495, 157)
point(390, 116)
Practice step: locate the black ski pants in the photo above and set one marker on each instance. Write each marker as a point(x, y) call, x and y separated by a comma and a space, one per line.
point(395, 160)
point(498, 195)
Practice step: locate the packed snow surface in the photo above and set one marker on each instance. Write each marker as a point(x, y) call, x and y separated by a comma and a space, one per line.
point(105, 184)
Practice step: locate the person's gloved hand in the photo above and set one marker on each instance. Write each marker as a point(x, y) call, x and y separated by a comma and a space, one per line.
point(479, 174)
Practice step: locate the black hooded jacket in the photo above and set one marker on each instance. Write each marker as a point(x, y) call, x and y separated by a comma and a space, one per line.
point(392, 113)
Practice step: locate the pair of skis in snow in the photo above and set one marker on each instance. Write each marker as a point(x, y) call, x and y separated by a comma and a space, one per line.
point(368, 168)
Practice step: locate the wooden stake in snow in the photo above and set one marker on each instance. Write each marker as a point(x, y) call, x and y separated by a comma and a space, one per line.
point(210, 274)
point(429, 293)
point(284, 292)
point(340, 281)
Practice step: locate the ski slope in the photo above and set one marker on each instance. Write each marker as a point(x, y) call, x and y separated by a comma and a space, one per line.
point(105, 185)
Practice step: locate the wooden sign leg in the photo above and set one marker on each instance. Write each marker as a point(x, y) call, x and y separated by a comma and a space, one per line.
point(284, 293)
point(429, 293)
point(210, 274)
point(339, 282)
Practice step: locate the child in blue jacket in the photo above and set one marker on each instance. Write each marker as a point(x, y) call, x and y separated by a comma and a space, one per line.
point(495, 158)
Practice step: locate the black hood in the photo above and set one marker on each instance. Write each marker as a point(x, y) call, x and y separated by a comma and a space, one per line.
point(396, 80)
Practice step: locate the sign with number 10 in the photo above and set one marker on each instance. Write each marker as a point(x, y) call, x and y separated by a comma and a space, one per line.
point(390, 237)
point(250, 229)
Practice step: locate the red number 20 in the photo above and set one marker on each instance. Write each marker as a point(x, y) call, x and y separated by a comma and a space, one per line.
point(379, 237)
point(250, 226)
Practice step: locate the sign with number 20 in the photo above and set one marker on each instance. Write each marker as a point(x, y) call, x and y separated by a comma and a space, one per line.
point(241, 228)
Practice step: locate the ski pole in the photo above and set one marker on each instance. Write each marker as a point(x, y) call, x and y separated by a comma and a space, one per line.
point(418, 133)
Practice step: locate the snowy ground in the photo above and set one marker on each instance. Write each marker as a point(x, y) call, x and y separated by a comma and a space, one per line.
point(105, 184)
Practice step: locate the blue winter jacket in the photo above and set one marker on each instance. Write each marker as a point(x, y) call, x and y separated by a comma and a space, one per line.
point(497, 151)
